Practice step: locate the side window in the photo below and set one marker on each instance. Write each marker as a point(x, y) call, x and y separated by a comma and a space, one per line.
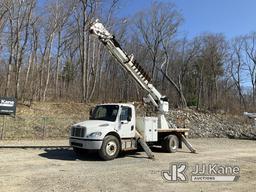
point(126, 114)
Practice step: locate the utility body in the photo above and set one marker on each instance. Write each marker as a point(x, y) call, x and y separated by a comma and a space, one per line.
point(114, 127)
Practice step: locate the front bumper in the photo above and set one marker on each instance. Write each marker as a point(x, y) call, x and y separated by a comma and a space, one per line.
point(85, 143)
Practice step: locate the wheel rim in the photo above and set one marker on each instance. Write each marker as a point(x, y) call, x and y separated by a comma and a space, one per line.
point(111, 148)
point(173, 144)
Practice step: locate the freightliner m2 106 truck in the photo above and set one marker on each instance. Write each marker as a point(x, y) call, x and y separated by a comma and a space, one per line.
point(115, 127)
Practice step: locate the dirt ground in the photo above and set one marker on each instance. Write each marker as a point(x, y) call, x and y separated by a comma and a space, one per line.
point(30, 166)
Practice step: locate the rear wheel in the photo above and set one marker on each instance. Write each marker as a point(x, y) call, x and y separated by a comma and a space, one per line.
point(170, 143)
point(110, 148)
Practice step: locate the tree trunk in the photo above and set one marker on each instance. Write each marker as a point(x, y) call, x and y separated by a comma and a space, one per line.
point(96, 58)
point(180, 92)
point(57, 65)
point(8, 80)
point(48, 67)
point(83, 54)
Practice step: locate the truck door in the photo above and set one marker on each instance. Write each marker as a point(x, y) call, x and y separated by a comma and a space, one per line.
point(127, 121)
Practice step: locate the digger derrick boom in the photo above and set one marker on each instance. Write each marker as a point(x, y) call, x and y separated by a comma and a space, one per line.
point(130, 65)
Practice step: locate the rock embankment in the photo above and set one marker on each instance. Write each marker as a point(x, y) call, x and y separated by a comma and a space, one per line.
point(203, 124)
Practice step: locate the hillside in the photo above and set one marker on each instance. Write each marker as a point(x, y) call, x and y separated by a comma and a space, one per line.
point(53, 120)
point(44, 120)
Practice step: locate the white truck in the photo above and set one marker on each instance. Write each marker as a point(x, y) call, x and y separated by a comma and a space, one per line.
point(114, 127)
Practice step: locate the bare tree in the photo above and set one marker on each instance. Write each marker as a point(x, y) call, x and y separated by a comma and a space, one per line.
point(83, 17)
point(155, 26)
point(30, 77)
point(10, 9)
point(49, 31)
point(29, 6)
point(213, 55)
point(63, 12)
point(237, 66)
point(249, 47)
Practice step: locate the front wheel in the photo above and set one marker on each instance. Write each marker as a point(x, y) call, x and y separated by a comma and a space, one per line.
point(110, 148)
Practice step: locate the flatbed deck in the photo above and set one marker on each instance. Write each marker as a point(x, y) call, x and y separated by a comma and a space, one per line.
point(173, 129)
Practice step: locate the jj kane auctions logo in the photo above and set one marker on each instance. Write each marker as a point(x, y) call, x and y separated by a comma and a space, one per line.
point(201, 173)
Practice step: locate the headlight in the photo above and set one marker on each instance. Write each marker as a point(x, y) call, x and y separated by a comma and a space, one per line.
point(95, 134)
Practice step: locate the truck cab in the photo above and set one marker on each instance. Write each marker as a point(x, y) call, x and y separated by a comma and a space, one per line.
point(110, 128)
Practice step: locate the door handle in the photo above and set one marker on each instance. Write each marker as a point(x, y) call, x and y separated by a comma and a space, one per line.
point(132, 127)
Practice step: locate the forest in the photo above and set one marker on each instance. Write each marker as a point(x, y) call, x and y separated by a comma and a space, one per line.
point(48, 54)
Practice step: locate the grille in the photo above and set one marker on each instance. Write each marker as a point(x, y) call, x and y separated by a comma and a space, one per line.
point(78, 132)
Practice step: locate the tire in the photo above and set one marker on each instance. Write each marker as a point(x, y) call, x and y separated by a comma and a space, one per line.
point(171, 143)
point(79, 151)
point(110, 148)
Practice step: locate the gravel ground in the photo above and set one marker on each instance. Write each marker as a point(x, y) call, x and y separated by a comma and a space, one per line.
point(49, 165)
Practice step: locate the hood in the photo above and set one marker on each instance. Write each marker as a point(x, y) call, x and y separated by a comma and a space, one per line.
point(94, 123)
point(92, 126)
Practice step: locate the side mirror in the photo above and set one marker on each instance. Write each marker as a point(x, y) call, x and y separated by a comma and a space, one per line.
point(129, 118)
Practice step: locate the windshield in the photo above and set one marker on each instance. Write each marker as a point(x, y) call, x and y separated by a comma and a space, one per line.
point(105, 112)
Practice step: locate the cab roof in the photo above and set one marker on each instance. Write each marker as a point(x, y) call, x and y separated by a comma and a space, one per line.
point(120, 104)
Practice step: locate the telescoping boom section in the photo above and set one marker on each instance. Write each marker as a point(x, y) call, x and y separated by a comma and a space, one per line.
point(136, 71)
